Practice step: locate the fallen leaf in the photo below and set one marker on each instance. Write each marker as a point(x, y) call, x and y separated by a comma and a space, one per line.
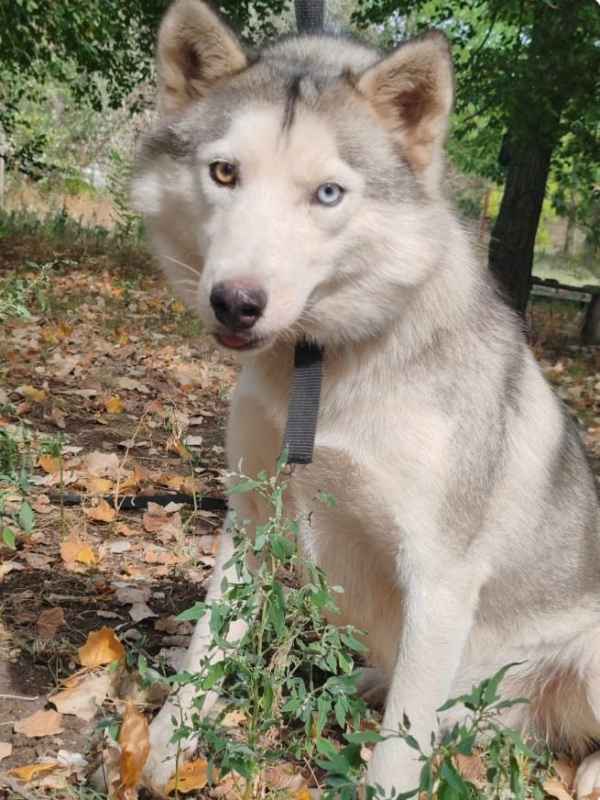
point(9, 566)
point(101, 647)
point(135, 746)
point(58, 417)
point(5, 750)
point(192, 775)
point(42, 504)
point(31, 393)
point(102, 512)
point(102, 465)
point(28, 772)
point(74, 550)
point(566, 771)
point(83, 700)
point(302, 794)
point(50, 621)
point(49, 464)
point(45, 722)
point(140, 611)
point(114, 405)
point(284, 777)
point(472, 769)
point(234, 719)
point(97, 485)
point(556, 788)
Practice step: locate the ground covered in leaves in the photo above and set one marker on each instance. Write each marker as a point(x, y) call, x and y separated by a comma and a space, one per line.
point(109, 389)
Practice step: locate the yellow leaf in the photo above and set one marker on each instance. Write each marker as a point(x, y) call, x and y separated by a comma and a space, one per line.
point(101, 647)
point(135, 746)
point(302, 794)
point(42, 723)
point(114, 405)
point(49, 464)
point(102, 512)
point(87, 556)
point(73, 549)
point(31, 393)
point(97, 485)
point(28, 772)
point(191, 776)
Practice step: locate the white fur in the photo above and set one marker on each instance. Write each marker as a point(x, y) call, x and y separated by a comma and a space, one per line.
point(374, 280)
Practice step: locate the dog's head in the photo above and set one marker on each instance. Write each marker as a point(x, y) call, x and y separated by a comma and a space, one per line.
point(291, 194)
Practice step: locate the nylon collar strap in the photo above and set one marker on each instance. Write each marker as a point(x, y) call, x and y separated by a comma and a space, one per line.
point(303, 410)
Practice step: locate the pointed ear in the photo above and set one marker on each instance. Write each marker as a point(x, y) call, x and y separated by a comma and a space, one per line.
point(412, 90)
point(195, 50)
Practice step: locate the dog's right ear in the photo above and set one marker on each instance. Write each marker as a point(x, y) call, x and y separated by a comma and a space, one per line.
point(195, 50)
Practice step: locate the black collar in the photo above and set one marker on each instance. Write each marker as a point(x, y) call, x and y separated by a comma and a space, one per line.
point(303, 410)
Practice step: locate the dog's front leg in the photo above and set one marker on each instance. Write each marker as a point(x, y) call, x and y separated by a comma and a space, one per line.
point(179, 709)
point(438, 614)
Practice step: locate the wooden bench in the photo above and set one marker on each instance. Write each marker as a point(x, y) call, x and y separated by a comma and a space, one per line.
point(587, 295)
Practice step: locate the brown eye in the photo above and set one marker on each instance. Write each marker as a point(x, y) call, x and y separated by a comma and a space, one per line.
point(223, 173)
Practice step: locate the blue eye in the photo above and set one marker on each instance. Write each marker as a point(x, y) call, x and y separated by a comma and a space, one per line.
point(329, 194)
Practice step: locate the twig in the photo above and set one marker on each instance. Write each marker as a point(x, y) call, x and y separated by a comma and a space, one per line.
point(14, 787)
point(18, 697)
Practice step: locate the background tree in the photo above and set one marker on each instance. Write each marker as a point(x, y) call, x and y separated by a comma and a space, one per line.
point(528, 90)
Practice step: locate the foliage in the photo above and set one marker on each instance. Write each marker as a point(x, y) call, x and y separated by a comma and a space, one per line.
point(291, 671)
point(291, 675)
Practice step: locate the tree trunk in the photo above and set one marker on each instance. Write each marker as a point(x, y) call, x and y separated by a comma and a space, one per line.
point(513, 235)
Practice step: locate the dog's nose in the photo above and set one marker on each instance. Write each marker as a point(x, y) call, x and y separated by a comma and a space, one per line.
point(238, 305)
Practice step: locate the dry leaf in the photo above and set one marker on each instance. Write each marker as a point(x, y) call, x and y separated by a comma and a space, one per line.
point(102, 465)
point(101, 647)
point(472, 769)
point(102, 512)
point(9, 566)
point(84, 699)
point(114, 405)
point(49, 464)
point(31, 393)
point(135, 746)
point(556, 788)
point(5, 750)
point(97, 485)
point(58, 417)
point(42, 504)
point(74, 550)
point(28, 772)
point(192, 775)
point(233, 719)
point(302, 794)
point(45, 722)
point(284, 777)
point(566, 771)
point(50, 621)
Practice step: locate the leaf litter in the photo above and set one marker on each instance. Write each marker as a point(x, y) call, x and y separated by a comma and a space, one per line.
point(120, 403)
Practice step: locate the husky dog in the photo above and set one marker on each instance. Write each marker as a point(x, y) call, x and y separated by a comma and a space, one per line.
point(296, 194)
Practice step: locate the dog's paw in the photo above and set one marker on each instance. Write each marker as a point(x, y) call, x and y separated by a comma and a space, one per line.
point(587, 777)
point(394, 767)
point(165, 756)
point(372, 686)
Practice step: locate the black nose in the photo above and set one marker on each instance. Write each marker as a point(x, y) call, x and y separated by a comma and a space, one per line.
point(238, 305)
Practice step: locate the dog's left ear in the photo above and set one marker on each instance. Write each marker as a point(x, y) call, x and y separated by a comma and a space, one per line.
point(195, 51)
point(412, 91)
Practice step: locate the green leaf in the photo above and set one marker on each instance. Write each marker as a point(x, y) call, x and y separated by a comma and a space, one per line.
point(8, 537)
point(26, 517)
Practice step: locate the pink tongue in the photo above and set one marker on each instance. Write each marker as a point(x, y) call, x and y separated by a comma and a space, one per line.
point(233, 341)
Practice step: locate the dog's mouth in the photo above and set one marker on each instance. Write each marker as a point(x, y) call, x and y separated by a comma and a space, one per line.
point(238, 341)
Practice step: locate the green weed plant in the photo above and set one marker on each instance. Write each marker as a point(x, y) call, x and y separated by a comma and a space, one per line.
point(292, 675)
